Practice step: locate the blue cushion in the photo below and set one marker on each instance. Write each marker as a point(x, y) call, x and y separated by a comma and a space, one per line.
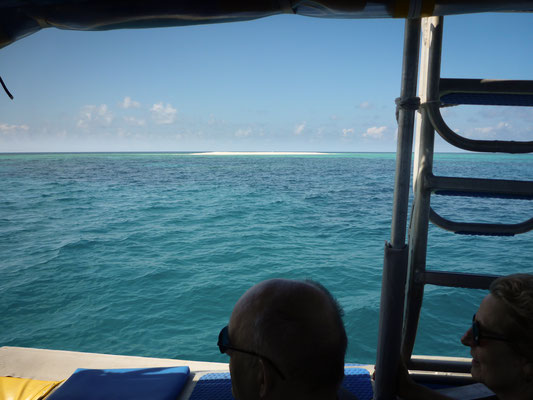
point(214, 386)
point(357, 381)
point(117, 384)
point(217, 386)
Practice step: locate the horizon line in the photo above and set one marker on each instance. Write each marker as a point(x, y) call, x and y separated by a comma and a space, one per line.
point(259, 152)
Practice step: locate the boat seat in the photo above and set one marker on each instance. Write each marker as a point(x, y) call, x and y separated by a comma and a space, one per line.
point(475, 391)
point(164, 383)
point(217, 386)
point(25, 389)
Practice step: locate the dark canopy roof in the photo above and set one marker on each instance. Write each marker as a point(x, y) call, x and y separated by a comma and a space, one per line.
point(19, 18)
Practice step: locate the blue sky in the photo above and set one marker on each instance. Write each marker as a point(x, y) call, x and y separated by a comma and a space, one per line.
point(284, 83)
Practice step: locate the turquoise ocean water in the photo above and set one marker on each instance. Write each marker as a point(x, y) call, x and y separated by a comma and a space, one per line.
point(145, 254)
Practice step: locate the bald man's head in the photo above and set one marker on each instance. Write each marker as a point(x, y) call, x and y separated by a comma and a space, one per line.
point(296, 324)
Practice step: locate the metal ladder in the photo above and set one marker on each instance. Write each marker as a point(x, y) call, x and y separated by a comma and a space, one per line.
point(404, 270)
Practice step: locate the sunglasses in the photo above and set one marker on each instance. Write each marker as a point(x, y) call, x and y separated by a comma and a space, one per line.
point(477, 335)
point(224, 345)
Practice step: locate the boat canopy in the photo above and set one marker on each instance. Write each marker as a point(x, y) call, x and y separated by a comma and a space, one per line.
point(19, 18)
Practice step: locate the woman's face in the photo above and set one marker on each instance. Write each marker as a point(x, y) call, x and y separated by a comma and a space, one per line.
point(494, 362)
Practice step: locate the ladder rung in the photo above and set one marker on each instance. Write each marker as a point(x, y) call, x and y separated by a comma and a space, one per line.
point(482, 195)
point(486, 92)
point(458, 279)
point(486, 99)
point(420, 363)
point(453, 380)
point(474, 187)
point(467, 228)
point(432, 110)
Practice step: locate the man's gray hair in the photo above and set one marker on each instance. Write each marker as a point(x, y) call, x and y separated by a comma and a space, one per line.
point(305, 335)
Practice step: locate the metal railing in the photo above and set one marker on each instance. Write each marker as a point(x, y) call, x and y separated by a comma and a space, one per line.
point(404, 269)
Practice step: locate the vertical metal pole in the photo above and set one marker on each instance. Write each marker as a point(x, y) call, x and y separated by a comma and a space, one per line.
point(429, 91)
point(390, 321)
point(395, 260)
point(406, 120)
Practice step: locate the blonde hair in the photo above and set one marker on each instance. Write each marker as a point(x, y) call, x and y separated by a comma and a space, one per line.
point(516, 292)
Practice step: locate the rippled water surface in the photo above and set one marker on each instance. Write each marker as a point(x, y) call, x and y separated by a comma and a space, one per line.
point(145, 254)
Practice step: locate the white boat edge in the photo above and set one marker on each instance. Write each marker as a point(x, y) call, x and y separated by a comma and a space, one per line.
point(57, 365)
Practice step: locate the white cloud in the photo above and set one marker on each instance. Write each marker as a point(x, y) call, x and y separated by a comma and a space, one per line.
point(485, 130)
point(243, 132)
point(94, 114)
point(298, 129)
point(214, 121)
point(347, 132)
point(8, 129)
point(375, 132)
point(135, 121)
point(104, 114)
point(365, 105)
point(129, 103)
point(491, 131)
point(163, 114)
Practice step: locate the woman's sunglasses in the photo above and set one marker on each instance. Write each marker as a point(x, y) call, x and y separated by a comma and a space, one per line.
point(477, 335)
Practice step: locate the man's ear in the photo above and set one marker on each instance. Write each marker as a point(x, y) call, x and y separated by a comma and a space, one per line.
point(264, 379)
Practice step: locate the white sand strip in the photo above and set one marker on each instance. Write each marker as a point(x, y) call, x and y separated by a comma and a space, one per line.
point(257, 153)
